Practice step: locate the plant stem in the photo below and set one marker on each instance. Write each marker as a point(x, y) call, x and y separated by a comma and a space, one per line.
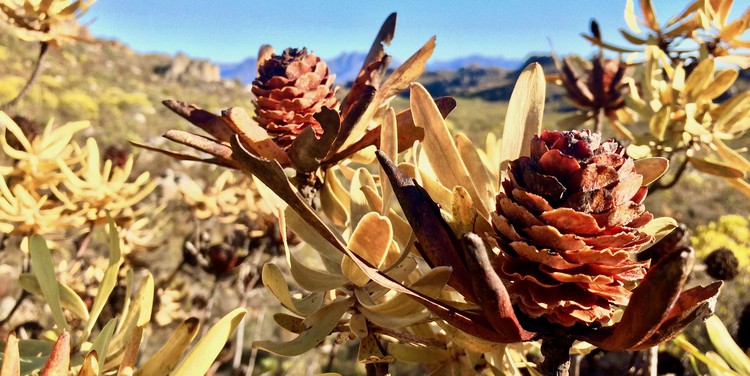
point(43, 47)
point(377, 369)
point(599, 120)
point(556, 352)
point(677, 175)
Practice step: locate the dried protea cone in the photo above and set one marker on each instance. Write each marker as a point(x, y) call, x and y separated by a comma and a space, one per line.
point(597, 89)
point(117, 154)
point(289, 90)
point(568, 224)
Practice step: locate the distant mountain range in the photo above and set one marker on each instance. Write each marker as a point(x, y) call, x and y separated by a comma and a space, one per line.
point(347, 65)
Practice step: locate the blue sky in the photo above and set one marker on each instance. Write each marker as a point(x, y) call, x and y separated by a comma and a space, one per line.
point(231, 30)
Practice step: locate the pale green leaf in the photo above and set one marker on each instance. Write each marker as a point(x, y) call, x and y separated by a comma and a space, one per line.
point(101, 343)
point(109, 281)
point(319, 326)
point(68, 298)
point(725, 345)
point(44, 270)
point(274, 281)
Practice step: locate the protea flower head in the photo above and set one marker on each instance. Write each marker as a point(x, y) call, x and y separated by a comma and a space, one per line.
point(118, 154)
point(596, 87)
point(289, 90)
point(568, 223)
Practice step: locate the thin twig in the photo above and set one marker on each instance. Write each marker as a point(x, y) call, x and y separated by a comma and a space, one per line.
point(256, 336)
point(210, 305)
point(43, 47)
point(677, 175)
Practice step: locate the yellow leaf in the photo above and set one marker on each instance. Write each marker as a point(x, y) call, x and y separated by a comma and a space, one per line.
point(720, 169)
point(731, 156)
point(438, 144)
point(719, 85)
point(332, 202)
point(524, 117)
point(168, 355)
point(630, 18)
point(200, 357)
point(274, 281)
point(414, 354)
point(699, 78)
point(370, 240)
point(725, 345)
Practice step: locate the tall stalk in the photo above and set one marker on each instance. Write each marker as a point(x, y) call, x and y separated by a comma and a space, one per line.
point(43, 48)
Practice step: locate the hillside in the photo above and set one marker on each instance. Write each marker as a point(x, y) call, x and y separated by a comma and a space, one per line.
point(119, 90)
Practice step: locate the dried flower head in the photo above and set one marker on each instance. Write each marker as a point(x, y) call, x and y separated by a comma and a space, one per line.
point(568, 222)
point(289, 90)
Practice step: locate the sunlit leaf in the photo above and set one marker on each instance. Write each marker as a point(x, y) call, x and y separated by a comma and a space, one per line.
point(725, 345)
point(168, 355)
point(274, 281)
point(109, 281)
point(370, 240)
point(203, 354)
point(721, 169)
point(524, 117)
point(439, 146)
point(389, 145)
point(59, 358)
point(651, 168)
point(409, 353)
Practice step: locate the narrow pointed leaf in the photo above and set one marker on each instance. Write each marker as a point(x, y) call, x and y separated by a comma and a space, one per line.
point(164, 361)
point(720, 169)
point(44, 270)
point(491, 294)
point(274, 281)
point(109, 281)
point(101, 343)
point(200, 357)
point(434, 235)
point(59, 359)
point(68, 298)
point(389, 145)
point(439, 146)
point(725, 345)
point(11, 359)
point(524, 117)
point(321, 324)
point(651, 302)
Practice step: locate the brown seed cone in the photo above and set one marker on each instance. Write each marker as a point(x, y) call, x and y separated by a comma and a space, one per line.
point(289, 90)
point(568, 224)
